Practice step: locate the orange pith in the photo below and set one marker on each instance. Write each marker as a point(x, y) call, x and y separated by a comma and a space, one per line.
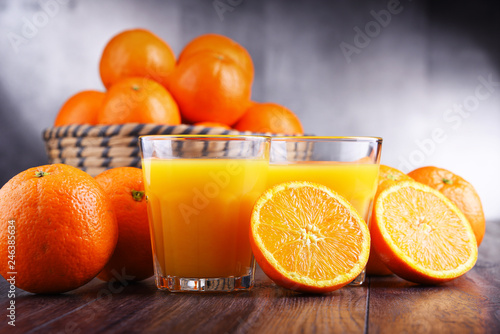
point(387, 177)
point(421, 235)
point(308, 238)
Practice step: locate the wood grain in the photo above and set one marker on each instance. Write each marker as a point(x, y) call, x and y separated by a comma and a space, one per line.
point(470, 304)
point(465, 305)
point(265, 309)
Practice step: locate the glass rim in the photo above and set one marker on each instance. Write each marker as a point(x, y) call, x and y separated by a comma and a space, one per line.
point(329, 138)
point(204, 136)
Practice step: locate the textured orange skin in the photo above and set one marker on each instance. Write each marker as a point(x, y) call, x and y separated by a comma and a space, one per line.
point(220, 44)
point(460, 192)
point(133, 251)
point(66, 230)
point(210, 87)
point(213, 125)
point(394, 262)
point(81, 108)
point(375, 266)
point(269, 117)
point(138, 100)
point(282, 280)
point(136, 53)
point(388, 176)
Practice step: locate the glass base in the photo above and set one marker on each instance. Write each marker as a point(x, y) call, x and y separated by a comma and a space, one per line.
point(359, 280)
point(225, 284)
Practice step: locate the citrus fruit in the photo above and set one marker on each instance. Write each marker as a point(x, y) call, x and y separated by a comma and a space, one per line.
point(269, 117)
point(210, 87)
point(138, 100)
point(420, 235)
point(136, 53)
point(308, 238)
point(220, 44)
point(459, 191)
point(125, 188)
point(63, 226)
point(387, 177)
point(81, 108)
point(213, 125)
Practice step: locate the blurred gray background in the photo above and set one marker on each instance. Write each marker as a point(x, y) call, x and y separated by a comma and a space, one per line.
point(424, 75)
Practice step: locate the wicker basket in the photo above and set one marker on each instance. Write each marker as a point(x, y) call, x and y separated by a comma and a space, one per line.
point(94, 149)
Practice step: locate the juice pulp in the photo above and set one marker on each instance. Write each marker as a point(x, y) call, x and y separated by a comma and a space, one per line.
point(354, 181)
point(199, 213)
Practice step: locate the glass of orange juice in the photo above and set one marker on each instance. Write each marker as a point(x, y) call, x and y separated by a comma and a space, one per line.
point(348, 165)
point(200, 192)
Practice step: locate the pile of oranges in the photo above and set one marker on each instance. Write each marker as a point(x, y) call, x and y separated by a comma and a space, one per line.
point(209, 84)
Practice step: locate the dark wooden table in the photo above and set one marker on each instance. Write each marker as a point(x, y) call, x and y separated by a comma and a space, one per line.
point(469, 304)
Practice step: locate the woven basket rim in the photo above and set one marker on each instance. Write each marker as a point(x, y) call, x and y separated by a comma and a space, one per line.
point(138, 129)
point(98, 147)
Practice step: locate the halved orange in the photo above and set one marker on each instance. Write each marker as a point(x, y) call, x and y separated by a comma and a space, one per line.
point(421, 236)
point(387, 177)
point(308, 238)
point(459, 191)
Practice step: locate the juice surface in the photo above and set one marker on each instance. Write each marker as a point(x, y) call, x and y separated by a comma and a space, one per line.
point(199, 211)
point(354, 181)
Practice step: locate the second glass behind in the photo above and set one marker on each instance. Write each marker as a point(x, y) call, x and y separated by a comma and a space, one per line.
point(200, 191)
point(348, 165)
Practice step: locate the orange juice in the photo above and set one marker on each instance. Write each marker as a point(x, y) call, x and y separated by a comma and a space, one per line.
point(354, 181)
point(199, 212)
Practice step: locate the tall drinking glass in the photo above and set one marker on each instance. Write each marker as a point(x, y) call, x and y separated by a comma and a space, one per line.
point(348, 165)
point(200, 191)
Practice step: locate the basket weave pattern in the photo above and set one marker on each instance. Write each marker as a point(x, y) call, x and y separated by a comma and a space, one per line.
point(94, 149)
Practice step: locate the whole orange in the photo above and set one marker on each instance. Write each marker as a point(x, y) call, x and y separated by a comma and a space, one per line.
point(81, 108)
point(219, 44)
point(136, 53)
point(387, 177)
point(138, 100)
point(459, 191)
point(210, 87)
point(125, 188)
point(61, 225)
point(213, 125)
point(269, 117)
